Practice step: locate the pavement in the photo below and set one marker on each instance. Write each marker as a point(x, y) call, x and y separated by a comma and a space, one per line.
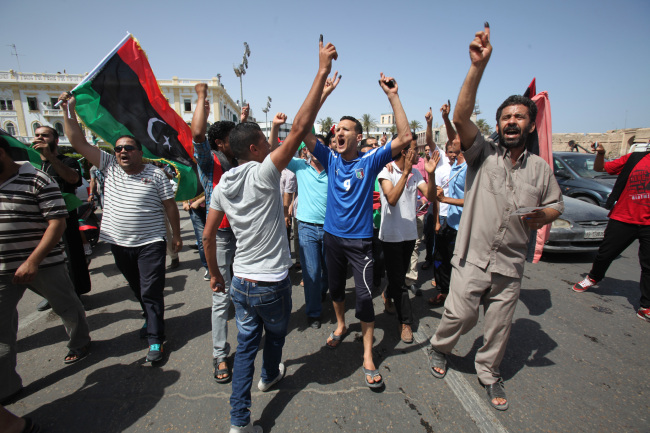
point(574, 362)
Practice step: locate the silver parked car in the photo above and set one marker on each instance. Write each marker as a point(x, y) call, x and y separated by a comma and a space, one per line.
point(580, 228)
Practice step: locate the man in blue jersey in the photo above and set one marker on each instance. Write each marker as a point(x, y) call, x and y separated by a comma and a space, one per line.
point(348, 217)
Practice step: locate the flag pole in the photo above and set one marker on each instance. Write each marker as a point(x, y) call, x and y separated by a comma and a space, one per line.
point(101, 65)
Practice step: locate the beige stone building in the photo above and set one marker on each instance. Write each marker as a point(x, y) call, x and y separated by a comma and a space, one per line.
point(27, 101)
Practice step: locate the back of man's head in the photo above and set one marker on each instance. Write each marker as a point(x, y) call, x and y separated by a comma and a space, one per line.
point(219, 131)
point(241, 137)
point(357, 125)
point(518, 100)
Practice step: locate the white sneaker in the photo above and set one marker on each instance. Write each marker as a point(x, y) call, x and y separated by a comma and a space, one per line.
point(250, 428)
point(266, 386)
point(88, 249)
point(206, 276)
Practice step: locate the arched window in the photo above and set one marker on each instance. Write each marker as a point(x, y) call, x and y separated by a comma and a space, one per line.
point(11, 129)
point(59, 128)
point(35, 126)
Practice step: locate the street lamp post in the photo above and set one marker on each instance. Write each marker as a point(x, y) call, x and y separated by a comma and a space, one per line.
point(265, 110)
point(240, 71)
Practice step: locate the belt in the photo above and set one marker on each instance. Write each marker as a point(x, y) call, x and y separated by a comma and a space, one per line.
point(311, 224)
point(260, 283)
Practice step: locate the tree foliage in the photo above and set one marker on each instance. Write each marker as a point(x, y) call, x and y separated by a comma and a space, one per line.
point(415, 125)
point(325, 124)
point(483, 126)
point(367, 122)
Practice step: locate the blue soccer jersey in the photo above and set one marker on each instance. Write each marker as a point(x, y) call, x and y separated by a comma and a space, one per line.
point(349, 190)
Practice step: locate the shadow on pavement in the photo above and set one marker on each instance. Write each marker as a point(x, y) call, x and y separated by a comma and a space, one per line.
point(106, 404)
point(538, 301)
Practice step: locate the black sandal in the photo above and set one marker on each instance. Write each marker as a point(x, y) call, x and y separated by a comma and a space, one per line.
point(77, 354)
point(497, 390)
point(222, 371)
point(437, 360)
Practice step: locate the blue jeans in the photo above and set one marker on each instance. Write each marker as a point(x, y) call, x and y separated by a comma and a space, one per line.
point(314, 269)
point(258, 306)
point(197, 216)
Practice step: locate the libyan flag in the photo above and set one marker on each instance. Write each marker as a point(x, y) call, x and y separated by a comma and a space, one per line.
point(21, 152)
point(122, 97)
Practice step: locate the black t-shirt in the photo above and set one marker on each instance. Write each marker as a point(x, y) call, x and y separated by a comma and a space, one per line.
point(70, 162)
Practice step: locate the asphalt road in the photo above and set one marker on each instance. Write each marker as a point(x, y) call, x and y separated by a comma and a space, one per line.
point(574, 362)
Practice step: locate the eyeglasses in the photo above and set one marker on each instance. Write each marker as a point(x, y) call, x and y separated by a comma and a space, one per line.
point(127, 147)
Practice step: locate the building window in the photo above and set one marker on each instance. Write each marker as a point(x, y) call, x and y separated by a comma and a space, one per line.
point(188, 104)
point(437, 136)
point(53, 102)
point(32, 103)
point(59, 128)
point(11, 129)
point(35, 126)
point(6, 105)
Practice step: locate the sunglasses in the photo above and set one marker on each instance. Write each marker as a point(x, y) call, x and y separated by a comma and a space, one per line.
point(127, 147)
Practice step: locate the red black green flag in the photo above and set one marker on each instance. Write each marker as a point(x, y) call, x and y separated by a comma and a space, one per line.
point(122, 97)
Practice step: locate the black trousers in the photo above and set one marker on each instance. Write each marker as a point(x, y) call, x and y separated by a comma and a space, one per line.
point(619, 236)
point(445, 243)
point(74, 249)
point(398, 260)
point(144, 269)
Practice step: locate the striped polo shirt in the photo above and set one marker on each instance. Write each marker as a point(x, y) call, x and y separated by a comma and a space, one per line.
point(134, 214)
point(27, 201)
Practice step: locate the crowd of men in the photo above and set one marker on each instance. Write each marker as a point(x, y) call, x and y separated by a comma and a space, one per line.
point(363, 204)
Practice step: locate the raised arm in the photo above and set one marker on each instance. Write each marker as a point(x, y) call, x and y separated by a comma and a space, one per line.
point(74, 133)
point(394, 192)
point(403, 130)
point(245, 110)
point(200, 116)
point(480, 50)
point(445, 110)
point(599, 163)
point(430, 190)
point(307, 114)
point(428, 135)
point(330, 85)
point(279, 119)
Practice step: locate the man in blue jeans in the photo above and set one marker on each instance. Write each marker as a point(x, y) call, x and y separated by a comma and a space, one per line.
point(312, 183)
point(249, 195)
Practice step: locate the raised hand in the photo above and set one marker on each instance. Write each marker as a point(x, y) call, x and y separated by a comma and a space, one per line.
point(326, 54)
point(480, 48)
point(331, 83)
point(384, 82)
point(445, 110)
point(279, 119)
point(429, 116)
point(201, 90)
point(432, 163)
point(383, 139)
point(408, 162)
point(68, 101)
point(245, 110)
point(440, 194)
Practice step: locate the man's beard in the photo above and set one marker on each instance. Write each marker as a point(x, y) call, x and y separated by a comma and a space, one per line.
point(509, 144)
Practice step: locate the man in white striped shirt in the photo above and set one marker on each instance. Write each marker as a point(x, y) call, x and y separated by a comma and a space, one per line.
point(32, 221)
point(137, 197)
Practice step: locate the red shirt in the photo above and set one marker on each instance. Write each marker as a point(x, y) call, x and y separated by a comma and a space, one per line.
point(633, 206)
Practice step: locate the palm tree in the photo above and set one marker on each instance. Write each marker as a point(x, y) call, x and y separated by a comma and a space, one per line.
point(483, 126)
point(392, 129)
point(415, 125)
point(367, 122)
point(325, 124)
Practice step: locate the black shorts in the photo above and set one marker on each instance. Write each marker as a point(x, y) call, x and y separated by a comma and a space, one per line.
point(358, 252)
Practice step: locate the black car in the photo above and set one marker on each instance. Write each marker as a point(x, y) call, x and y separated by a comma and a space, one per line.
point(575, 174)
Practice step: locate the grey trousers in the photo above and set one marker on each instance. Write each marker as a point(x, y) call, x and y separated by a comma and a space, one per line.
point(226, 243)
point(54, 284)
point(412, 273)
point(469, 286)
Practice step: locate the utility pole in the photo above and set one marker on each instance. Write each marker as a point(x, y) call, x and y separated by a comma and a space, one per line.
point(265, 110)
point(240, 71)
point(15, 53)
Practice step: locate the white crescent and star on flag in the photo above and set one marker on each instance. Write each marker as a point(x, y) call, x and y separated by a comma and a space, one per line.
point(150, 132)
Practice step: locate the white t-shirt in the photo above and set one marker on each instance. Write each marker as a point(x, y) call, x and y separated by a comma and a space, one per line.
point(398, 222)
point(134, 214)
point(442, 176)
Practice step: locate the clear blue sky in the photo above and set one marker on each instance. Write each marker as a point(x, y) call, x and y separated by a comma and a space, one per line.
point(589, 55)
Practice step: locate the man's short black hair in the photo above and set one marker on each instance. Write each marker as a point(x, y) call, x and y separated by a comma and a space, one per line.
point(241, 137)
point(55, 133)
point(219, 131)
point(518, 100)
point(135, 140)
point(357, 125)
